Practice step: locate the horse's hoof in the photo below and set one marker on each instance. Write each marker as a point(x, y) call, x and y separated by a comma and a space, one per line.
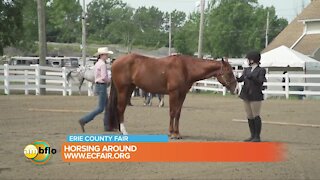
point(175, 136)
point(124, 133)
point(111, 129)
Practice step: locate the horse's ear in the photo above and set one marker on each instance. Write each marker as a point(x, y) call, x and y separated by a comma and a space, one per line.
point(222, 60)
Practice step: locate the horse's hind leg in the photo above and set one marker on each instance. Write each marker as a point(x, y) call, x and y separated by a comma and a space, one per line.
point(80, 84)
point(161, 100)
point(149, 99)
point(130, 91)
point(122, 103)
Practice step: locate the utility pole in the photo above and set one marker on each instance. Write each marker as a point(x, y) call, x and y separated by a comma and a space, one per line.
point(170, 31)
point(42, 41)
point(201, 26)
point(267, 29)
point(84, 46)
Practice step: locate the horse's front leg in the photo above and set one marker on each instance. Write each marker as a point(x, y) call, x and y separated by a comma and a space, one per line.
point(92, 87)
point(177, 118)
point(173, 104)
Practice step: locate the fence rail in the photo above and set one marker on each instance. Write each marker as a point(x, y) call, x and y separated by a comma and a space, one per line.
point(304, 85)
point(27, 78)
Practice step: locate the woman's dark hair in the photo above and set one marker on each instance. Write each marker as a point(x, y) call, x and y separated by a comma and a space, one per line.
point(254, 55)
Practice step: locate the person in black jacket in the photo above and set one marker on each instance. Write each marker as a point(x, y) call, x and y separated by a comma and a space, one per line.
point(251, 93)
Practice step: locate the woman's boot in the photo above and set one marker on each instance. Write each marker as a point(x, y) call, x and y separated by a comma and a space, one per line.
point(251, 127)
point(257, 129)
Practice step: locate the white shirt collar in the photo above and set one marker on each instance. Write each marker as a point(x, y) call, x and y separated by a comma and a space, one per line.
point(253, 66)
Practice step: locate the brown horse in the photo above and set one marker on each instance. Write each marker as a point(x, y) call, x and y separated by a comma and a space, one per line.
point(173, 75)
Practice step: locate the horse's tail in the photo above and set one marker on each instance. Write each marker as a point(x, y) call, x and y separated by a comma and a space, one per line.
point(113, 107)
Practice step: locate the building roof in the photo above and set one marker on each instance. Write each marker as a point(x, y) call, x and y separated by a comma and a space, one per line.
point(311, 11)
point(310, 42)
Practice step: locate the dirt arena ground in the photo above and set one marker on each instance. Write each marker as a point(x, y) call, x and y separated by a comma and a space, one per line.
point(205, 117)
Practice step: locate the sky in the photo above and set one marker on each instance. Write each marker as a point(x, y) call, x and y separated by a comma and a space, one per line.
point(287, 9)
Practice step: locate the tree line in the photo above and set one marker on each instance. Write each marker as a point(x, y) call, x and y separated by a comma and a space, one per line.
point(232, 27)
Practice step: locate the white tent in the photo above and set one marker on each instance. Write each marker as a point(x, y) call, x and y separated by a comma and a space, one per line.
point(286, 57)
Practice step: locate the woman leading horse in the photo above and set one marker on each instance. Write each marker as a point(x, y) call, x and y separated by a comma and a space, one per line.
point(172, 75)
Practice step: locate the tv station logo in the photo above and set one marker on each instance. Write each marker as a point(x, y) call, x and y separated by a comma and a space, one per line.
point(39, 152)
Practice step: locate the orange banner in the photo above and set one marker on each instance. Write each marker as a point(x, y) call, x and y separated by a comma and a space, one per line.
point(173, 152)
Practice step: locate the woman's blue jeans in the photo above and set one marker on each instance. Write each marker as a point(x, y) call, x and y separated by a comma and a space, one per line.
point(101, 91)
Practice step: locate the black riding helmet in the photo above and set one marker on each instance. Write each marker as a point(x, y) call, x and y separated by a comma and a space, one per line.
point(254, 55)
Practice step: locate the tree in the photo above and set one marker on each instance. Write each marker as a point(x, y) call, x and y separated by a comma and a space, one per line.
point(150, 27)
point(122, 29)
point(30, 26)
point(232, 27)
point(100, 15)
point(227, 29)
point(185, 39)
point(11, 26)
point(236, 26)
point(64, 21)
point(178, 18)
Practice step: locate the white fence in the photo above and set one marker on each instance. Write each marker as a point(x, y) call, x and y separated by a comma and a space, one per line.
point(27, 78)
point(295, 84)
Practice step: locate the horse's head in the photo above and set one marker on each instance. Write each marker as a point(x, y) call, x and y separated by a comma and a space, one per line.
point(226, 77)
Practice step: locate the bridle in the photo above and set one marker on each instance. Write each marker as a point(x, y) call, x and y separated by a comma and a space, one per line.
point(221, 75)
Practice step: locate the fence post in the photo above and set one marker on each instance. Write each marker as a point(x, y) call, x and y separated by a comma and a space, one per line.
point(26, 82)
point(64, 81)
point(224, 91)
point(6, 79)
point(287, 85)
point(37, 78)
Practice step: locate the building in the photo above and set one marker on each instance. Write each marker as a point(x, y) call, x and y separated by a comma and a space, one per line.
point(303, 33)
